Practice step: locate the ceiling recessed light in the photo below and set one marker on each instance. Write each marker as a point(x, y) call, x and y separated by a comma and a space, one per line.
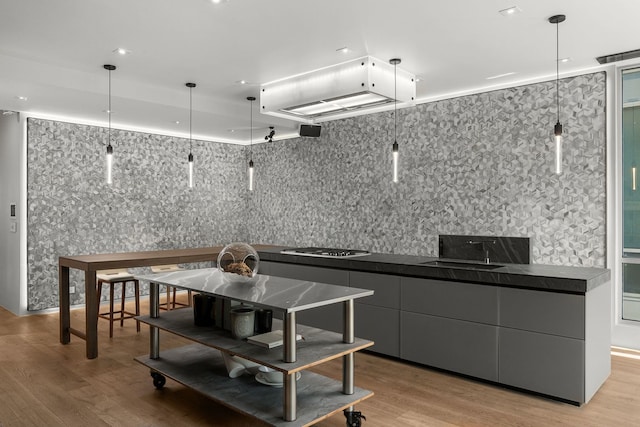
point(497, 76)
point(231, 130)
point(121, 51)
point(177, 122)
point(563, 60)
point(343, 49)
point(21, 98)
point(245, 82)
point(510, 11)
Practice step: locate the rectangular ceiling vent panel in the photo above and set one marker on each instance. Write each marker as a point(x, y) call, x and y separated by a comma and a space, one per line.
point(618, 56)
point(337, 91)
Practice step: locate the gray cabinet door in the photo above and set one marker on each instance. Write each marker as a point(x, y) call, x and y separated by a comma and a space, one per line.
point(546, 364)
point(329, 317)
point(307, 272)
point(455, 300)
point(380, 325)
point(386, 288)
point(265, 267)
point(460, 346)
point(547, 312)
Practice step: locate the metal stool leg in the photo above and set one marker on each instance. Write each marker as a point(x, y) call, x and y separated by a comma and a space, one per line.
point(111, 289)
point(136, 286)
point(124, 288)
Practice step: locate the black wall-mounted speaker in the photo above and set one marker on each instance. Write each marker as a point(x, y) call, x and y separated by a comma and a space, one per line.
point(310, 130)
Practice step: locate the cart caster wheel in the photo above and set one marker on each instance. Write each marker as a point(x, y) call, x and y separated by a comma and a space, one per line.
point(354, 418)
point(158, 380)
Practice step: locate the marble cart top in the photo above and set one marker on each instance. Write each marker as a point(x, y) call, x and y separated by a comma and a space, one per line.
point(278, 293)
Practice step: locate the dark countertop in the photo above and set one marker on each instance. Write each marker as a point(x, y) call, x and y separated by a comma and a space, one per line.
point(534, 276)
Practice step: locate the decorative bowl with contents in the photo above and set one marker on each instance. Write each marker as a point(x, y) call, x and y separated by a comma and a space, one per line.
point(238, 262)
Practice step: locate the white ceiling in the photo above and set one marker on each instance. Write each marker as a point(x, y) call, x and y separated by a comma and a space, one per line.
point(52, 52)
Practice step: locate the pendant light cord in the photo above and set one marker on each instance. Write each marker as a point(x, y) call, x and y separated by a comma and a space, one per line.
point(109, 111)
point(251, 130)
point(395, 102)
point(190, 112)
point(558, 70)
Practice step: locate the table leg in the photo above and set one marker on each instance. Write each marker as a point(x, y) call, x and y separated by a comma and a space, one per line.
point(290, 396)
point(348, 337)
point(289, 337)
point(65, 304)
point(154, 312)
point(91, 313)
point(290, 391)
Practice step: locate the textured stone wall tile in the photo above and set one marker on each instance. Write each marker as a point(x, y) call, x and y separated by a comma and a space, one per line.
point(480, 164)
point(72, 211)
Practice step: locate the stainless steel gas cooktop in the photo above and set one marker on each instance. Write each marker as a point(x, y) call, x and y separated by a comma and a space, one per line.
point(325, 252)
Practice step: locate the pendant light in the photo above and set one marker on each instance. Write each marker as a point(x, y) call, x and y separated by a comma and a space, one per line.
point(109, 68)
point(557, 129)
point(394, 153)
point(251, 99)
point(633, 162)
point(190, 158)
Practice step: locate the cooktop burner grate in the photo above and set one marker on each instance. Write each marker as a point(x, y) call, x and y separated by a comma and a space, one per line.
point(325, 252)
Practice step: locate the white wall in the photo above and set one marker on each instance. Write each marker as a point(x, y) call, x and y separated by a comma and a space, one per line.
point(12, 190)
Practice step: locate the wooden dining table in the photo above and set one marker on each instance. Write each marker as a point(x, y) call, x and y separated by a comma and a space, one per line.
point(92, 263)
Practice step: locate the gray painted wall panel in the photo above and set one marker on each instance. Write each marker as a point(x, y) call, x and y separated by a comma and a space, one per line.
point(11, 191)
point(597, 335)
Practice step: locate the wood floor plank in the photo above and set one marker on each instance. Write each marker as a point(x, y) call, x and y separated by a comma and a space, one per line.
point(45, 383)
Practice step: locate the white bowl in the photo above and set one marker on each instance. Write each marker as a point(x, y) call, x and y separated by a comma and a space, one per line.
point(271, 375)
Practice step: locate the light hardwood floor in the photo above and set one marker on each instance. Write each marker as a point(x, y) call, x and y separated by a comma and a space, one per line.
point(43, 383)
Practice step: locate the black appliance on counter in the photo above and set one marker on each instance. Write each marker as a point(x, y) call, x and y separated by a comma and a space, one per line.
point(325, 252)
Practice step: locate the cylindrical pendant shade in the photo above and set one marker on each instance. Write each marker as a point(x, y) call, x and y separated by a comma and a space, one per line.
point(109, 164)
point(633, 178)
point(190, 170)
point(557, 130)
point(250, 175)
point(558, 139)
point(395, 162)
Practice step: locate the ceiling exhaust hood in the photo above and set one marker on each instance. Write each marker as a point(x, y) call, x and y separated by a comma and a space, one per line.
point(337, 91)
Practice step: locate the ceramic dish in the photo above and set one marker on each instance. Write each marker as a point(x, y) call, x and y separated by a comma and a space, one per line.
point(262, 380)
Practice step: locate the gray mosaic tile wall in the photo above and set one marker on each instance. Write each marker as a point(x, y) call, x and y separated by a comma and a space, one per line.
point(72, 211)
point(480, 164)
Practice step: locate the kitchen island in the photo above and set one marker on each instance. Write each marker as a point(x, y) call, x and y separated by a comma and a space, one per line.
point(200, 367)
point(541, 328)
